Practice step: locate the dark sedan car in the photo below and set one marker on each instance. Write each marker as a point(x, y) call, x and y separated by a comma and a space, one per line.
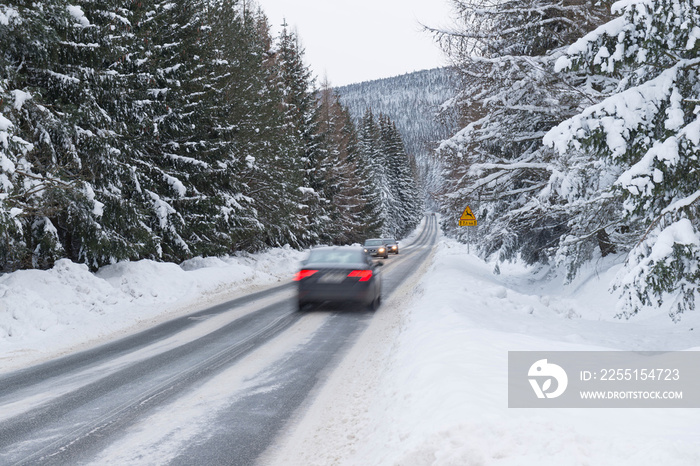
point(391, 245)
point(339, 275)
point(376, 247)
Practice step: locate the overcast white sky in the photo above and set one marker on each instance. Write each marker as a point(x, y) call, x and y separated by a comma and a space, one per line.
point(362, 40)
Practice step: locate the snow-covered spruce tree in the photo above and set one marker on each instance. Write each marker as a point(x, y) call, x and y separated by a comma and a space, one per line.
point(280, 158)
point(510, 97)
point(389, 158)
point(21, 185)
point(378, 195)
point(161, 125)
point(650, 129)
point(72, 204)
point(392, 199)
point(341, 183)
point(406, 208)
point(303, 153)
point(204, 82)
point(101, 40)
point(243, 122)
point(412, 102)
point(211, 123)
point(369, 215)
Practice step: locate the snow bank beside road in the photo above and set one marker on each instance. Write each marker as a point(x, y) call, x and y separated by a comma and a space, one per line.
point(450, 375)
point(45, 313)
point(437, 392)
point(448, 380)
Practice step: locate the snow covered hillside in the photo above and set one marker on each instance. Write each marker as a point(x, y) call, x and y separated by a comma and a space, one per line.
point(412, 101)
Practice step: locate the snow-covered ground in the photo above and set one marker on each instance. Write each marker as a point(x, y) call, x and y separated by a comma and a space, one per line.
point(427, 381)
point(47, 313)
point(434, 391)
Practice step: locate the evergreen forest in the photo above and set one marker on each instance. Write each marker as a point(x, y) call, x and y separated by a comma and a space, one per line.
point(162, 130)
point(414, 102)
point(580, 139)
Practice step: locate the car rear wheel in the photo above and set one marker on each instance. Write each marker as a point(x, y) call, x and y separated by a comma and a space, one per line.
point(374, 305)
point(302, 305)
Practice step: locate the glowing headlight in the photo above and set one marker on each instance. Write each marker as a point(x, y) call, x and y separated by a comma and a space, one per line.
point(381, 250)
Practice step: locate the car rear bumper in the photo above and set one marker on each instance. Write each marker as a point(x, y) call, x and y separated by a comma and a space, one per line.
point(335, 293)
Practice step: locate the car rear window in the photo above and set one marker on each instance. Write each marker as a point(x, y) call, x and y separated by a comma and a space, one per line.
point(336, 257)
point(374, 242)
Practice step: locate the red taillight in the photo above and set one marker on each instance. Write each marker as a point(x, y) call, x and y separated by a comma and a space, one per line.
point(364, 275)
point(302, 274)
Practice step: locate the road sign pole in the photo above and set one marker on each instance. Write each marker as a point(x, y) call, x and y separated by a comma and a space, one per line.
point(468, 220)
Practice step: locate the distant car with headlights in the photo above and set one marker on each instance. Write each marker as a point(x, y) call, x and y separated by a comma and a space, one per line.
point(391, 245)
point(376, 247)
point(341, 274)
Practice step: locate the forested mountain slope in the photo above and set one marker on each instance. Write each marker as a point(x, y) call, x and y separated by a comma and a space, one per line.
point(412, 101)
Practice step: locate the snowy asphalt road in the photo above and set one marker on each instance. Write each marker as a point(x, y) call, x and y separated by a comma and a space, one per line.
point(214, 387)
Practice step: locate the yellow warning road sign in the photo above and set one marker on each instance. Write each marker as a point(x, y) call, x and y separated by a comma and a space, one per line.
point(467, 219)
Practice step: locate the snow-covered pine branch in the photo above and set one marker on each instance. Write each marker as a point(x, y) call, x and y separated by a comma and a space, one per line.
point(650, 132)
point(505, 52)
